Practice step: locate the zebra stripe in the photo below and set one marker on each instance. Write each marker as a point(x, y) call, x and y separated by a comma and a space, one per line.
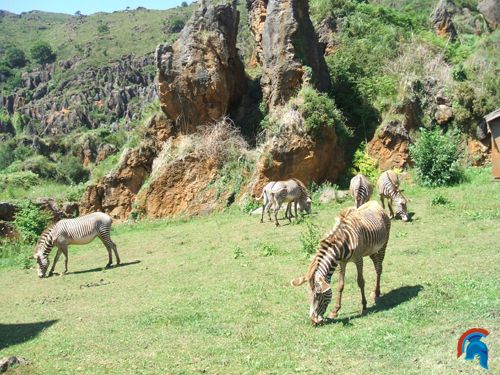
point(357, 233)
point(361, 189)
point(388, 188)
point(78, 231)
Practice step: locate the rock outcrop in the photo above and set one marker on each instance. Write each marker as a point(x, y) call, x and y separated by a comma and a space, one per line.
point(490, 9)
point(294, 153)
point(104, 94)
point(289, 44)
point(441, 19)
point(116, 192)
point(201, 76)
point(256, 21)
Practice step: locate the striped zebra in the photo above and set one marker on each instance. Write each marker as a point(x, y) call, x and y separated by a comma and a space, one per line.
point(267, 203)
point(357, 233)
point(361, 189)
point(78, 231)
point(290, 191)
point(388, 187)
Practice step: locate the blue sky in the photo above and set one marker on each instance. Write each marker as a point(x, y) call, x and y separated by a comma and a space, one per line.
point(84, 6)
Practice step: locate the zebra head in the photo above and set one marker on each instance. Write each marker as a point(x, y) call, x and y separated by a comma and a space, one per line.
point(305, 205)
point(401, 206)
point(319, 295)
point(42, 263)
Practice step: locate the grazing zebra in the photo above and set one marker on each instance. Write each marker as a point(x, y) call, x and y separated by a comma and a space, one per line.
point(388, 187)
point(357, 233)
point(266, 204)
point(361, 189)
point(78, 231)
point(290, 191)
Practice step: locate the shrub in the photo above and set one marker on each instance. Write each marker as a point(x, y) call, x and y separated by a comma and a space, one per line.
point(30, 221)
point(269, 250)
point(24, 180)
point(6, 153)
point(71, 170)
point(40, 165)
point(310, 238)
point(75, 193)
point(439, 200)
point(103, 29)
point(319, 110)
point(42, 53)
point(436, 157)
point(15, 57)
point(365, 164)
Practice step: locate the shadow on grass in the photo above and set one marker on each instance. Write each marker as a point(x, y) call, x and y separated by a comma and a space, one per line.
point(386, 302)
point(12, 334)
point(100, 269)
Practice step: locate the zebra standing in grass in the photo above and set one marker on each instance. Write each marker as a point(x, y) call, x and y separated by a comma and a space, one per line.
point(290, 191)
point(361, 189)
point(266, 204)
point(358, 233)
point(78, 231)
point(388, 187)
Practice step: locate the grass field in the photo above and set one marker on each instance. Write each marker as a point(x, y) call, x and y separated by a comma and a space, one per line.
point(212, 295)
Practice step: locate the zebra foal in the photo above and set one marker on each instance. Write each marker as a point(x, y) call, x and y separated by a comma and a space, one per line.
point(388, 188)
point(361, 189)
point(78, 231)
point(357, 233)
point(290, 191)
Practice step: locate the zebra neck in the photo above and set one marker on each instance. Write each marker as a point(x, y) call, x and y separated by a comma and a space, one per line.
point(328, 258)
point(47, 243)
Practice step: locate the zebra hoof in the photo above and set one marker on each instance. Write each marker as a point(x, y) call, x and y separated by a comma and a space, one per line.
point(333, 315)
point(50, 274)
point(364, 311)
point(109, 265)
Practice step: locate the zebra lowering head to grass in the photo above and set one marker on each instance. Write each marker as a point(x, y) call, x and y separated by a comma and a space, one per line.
point(388, 187)
point(357, 233)
point(361, 189)
point(290, 191)
point(78, 231)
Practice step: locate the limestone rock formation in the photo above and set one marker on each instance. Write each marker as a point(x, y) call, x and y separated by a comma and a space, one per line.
point(116, 192)
point(256, 20)
point(297, 154)
point(490, 9)
point(289, 44)
point(441, 18)
point(201, 76)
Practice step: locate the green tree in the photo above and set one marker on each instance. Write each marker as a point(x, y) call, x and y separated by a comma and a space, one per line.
point(42, 53)
point(15, 57)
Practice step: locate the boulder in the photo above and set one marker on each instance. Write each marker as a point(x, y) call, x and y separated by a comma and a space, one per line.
point(444, 114)
point(490, 9)
point(70, 209)
point(289, 43)
point(478, 152)
point(201, 77)
point(7, 211)
point(7, 362)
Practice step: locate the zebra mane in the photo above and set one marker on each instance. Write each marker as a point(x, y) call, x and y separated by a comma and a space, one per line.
point(336, 237)
point(302, 186)
point(43, 237)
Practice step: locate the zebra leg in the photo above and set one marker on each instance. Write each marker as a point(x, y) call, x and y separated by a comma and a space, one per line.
point(295, 207)
point(391, 211)
point(361, 282)
point(382, 201)
point(264, 206)
point(106, 240)
point(340, 289)
point(276, 210)
point(56, 258)
point(377, 259)
point(115, 250)
point(65, 252)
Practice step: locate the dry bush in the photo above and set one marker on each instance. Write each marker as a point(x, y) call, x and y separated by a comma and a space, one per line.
point(220, 141)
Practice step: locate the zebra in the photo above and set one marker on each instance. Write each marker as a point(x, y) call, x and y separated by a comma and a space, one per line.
point(361, 189)
point(266, 204)
point(358, 232)
point(290, 191)
point(388, 187)
point(78, 231)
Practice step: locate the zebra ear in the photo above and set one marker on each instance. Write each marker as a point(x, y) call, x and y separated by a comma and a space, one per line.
point(298, 281)
point(323, 285)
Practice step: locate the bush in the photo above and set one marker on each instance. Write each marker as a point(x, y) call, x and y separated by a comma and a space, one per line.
point(42, 53)
point(24, 180)
point(15, 57)
point(319, 110)
point(71, 170)
point(103, 29)
point(310, 238)
point(6, 153)
point(365, 164)
point(37, 164)
point(30, 221)
point(436, 157)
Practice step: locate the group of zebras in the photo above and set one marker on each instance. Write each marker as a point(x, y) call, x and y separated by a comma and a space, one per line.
point(359, 231)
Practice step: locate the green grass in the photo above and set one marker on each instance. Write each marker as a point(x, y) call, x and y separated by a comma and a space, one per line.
point(55, 190)
point(212, 295)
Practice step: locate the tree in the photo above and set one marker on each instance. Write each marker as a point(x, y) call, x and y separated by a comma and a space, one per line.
point(42, 53)
point(184, 4)
point(15, 57)
point(103, 28)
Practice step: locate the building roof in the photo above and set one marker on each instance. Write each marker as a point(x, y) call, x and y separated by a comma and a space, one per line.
point(493, 115)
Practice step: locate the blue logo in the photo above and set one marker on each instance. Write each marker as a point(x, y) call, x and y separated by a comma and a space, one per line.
point(470, 343)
